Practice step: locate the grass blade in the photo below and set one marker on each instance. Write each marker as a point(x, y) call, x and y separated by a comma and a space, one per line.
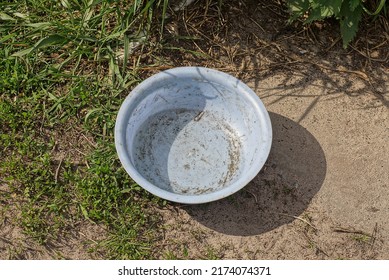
point(126, 51)
point(378, 10)
point(164, 8)
point(45, 42)
point(23, 52)
point(5, 17)
point(50, 41)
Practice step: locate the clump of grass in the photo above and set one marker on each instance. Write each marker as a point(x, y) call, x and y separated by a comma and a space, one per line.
point(64, 70)
point(28, 170)
point(107, 195)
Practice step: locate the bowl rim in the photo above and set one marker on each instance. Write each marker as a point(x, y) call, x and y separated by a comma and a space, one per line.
point(136, 94)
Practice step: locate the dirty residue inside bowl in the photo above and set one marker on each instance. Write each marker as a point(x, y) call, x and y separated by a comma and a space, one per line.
point(188, 151)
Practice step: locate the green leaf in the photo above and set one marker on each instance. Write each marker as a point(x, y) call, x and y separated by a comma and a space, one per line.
point(53, 97)
point(45, 42)
point(298, 7)
point(323, 9)
point(23, 52)
point(354, 4)
point(7, 37)
point(87, 16)
point(65, 3)
point(50, 41)
point(316, 14)
point(91, 112)
point(20, 15)
point(164, 8)
point(39, 25)
point(318, 10)
point(126, 52)
point(133, 187)
point(5, 17)
point(332, 7)
point(84, 212)
point(349, 22)
point(94, 3)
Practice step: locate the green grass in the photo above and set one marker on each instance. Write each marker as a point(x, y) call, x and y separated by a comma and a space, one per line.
point(64, 71)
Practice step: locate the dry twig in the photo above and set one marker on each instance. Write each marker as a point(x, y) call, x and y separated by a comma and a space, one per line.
point(57, 171)
point(298, 218)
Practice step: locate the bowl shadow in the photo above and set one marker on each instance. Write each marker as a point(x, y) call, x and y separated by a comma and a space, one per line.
point(282, 190)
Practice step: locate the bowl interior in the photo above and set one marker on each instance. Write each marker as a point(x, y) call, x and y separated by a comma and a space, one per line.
point(192, 134)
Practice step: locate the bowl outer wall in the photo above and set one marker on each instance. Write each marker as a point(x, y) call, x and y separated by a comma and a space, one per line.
point(136, 96)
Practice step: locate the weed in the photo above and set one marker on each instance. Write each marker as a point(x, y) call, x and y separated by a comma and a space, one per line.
point(185, 251)
point(364, 238)
point(15, 253)
point(169, 255)
point(347, 12)
point(359, 235)
point(211, 254)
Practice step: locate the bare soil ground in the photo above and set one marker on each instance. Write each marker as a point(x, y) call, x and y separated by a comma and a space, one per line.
point(324, 191)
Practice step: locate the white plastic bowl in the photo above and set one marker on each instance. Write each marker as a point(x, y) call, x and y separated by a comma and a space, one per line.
point(192, 135)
